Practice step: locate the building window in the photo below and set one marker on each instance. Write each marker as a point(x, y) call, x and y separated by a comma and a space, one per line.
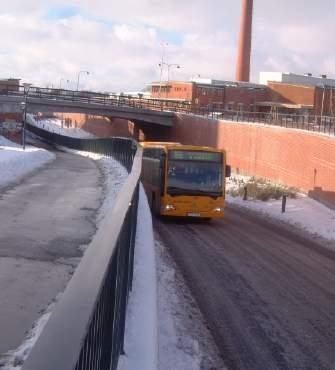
point(230, 106)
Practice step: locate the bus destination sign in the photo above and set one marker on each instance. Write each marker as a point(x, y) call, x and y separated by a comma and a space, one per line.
point(192, 155)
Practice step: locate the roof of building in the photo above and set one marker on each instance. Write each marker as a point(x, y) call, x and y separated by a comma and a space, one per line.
point(202, 82)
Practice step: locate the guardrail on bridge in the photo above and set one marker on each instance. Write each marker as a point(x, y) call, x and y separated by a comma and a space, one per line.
point(86, 328)
point(308, 122)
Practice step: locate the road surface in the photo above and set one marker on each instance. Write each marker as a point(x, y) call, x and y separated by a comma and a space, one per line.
point(267, 292)
point(43, 222)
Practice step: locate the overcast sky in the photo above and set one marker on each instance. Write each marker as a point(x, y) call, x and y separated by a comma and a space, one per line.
point(120, 41)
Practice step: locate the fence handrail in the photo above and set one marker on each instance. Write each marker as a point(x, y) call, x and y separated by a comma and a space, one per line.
point(61, 342)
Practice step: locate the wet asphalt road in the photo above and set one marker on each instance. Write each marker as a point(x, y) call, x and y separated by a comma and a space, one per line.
point(43, 221)
point(266, 291)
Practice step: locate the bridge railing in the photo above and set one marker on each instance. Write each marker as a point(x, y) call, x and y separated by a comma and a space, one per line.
point(86, 328)
point(317, 123)
point(87, 97)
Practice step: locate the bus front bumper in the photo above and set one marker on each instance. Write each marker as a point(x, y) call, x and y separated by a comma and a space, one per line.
point(215, 213)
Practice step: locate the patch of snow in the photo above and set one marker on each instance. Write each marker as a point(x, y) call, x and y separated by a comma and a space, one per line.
point(13, 360)
point(55, 125)
point(16, 162)
point(7, 143)
point(141, 320)
point(184, 339)
point(302, 212)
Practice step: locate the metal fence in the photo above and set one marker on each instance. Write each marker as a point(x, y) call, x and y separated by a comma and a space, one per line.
point(320, 124)
point(323, 124)
point(86, 328)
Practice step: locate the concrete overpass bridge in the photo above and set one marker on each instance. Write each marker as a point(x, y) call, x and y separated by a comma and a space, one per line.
point(143, 112)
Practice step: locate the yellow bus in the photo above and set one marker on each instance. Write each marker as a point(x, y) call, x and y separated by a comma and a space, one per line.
point(184, 180)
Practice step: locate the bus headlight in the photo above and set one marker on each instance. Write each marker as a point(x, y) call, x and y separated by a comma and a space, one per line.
point(169, 207)
point(218, 209)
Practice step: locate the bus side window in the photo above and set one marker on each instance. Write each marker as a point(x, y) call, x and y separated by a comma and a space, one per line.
point(162, 158)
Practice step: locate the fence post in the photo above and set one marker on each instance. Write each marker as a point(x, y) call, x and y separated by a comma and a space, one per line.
point(283, 204)
point(245, 193)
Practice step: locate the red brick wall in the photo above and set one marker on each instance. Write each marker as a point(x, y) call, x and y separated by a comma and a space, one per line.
point(207, 94)
point(17, 117)
point(100, 126)
point(246, 96)
point(291, 94)
point(177, 90)
point(296, 158)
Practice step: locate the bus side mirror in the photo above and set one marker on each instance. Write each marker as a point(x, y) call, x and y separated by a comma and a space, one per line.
point(228, 171)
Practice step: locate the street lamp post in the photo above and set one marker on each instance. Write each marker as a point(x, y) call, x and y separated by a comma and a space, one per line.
point(26, 92)
point(79, 73)
point(60, 82)
point(161, 66)
point(168, 65)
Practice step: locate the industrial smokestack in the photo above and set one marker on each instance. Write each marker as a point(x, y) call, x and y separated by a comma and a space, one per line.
point(244, 45)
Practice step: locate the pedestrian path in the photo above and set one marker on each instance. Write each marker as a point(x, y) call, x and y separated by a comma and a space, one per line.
point(43, 222)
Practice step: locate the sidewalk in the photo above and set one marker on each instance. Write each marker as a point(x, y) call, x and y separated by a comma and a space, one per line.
point(43, 223)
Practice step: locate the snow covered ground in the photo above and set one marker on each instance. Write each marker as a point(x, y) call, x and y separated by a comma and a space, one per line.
point(302, 212)
point(114, 177)
point(55, 125)
point(15, 162)
point(185, 342)
point(141, 321)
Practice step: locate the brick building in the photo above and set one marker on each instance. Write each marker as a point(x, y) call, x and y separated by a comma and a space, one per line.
point(301, 94)
point(11, 84)
point(218, 94)
point(277, 93)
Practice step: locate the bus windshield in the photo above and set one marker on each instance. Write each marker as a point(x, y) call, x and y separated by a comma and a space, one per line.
point(194, 173)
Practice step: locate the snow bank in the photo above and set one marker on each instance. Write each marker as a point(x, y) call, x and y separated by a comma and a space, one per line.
point(16, 162)
point(302, 212)
point(55, 125)
point(141, 322)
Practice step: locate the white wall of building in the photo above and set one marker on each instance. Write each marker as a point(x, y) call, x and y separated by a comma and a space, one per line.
point(293, 78)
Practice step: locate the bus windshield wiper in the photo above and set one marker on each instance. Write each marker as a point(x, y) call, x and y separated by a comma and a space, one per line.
point(172, 190)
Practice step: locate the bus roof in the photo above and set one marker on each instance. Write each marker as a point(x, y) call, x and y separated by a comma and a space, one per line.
point(146, 144)
point(179, 146)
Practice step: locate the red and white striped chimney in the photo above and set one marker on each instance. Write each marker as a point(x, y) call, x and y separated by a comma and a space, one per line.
point(244, 45)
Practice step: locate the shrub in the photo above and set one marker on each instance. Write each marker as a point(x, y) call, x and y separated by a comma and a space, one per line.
point(262, 189)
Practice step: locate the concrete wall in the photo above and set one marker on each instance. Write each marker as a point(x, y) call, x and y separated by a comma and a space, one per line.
point(292, 157)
